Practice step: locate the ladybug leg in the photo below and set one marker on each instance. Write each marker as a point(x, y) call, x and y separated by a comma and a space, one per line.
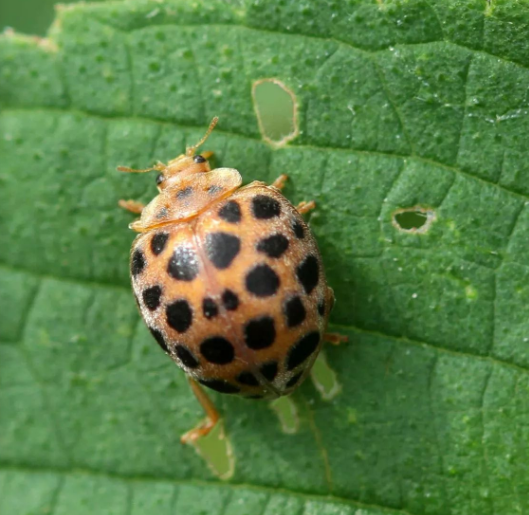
point(212, 415)
point(304, 207)
point(279, 183)
point(335, 338)
point(132, 205)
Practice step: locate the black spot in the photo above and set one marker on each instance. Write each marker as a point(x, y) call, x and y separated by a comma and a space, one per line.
point(162, 213)
point(219, 385)
point(179, 315)
point(222, 248)
point(199, 159)
point(158, 336)
point(294, 380)
point(217, 350)
point(255, 397)
point(231, 212)
point(247, 378)
point(158, 242)
point(273, 246)
point(159, 179)
point(186, 192)
point(151, 297)
point(264, 207)
point(302, 349)
point(262, 281)
point(308, 273)
point(214, 189)
point(183, 264)
point(299, 231)
point(137, 263)
point(209, 308)
point(321, 307)
point(269, 370)
point(186, 356)
point(260, 333)
point(294, 311)
point(230, 300)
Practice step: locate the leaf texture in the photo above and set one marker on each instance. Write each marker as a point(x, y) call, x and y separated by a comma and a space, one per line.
point(400, 104)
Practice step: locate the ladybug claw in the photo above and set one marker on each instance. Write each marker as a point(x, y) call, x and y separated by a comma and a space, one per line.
point(203, 429)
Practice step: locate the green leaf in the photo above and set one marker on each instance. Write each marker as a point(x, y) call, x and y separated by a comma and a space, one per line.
point(413, 122)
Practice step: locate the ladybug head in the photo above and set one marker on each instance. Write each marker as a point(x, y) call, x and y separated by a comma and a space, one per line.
point(185, 164)
point(189, 163)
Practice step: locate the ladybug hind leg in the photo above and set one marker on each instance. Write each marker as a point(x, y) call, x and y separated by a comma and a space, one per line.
point(212, 415)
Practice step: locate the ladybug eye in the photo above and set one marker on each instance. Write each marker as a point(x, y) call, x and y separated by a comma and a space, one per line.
point(199, 159)
point(159, 179)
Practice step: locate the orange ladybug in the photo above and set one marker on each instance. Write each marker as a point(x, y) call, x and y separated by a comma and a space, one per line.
point(229, 281)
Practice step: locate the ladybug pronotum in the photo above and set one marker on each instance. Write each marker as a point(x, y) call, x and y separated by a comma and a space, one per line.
point(229, 281)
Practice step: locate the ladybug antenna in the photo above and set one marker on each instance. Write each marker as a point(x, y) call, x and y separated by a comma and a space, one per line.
point(190, 151)
point(158, 166)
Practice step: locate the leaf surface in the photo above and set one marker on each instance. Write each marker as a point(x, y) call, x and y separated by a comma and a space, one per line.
point(401, 105)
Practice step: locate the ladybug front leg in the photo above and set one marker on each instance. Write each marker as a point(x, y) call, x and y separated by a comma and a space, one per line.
point(212, 415)
point(132, 205)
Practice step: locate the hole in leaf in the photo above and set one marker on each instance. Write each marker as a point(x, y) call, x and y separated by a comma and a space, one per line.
point(287, 412)
point(216, 449)
point(416, 220)
point(276, 110)
point(324, 378)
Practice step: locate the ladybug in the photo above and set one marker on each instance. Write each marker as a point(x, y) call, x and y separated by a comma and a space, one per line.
point(229, 281)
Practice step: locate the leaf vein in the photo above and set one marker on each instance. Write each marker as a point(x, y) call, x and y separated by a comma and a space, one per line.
point(395, 155)
point(234, 487)
point(330, 39)
point(423, 344)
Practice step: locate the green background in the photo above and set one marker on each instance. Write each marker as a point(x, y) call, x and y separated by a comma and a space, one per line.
point(29, 16)
point(402, 104)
